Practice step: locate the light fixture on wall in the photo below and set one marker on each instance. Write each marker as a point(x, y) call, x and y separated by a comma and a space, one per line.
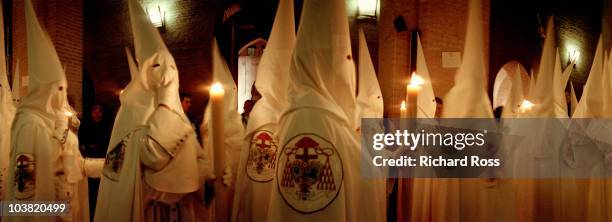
point(573, 52)
point(157, 17)
point(367, 8)
point(574, 56)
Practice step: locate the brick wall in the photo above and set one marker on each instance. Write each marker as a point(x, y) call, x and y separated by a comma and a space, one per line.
point(607, 23)
point(188, 35)
point(514, 33)
point(63, 20)
point(441, 24)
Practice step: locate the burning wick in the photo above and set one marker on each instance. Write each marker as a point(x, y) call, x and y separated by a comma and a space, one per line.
point(525, 106)
point(416, 81)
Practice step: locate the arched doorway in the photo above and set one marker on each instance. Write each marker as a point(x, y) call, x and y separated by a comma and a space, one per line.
point(503, 82)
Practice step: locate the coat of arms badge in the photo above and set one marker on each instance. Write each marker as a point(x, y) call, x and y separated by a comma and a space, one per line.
point(262, 157)
point(311, 174)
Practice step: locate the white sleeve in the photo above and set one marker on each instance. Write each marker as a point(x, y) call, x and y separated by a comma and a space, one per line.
point(165, 135)
point(152, 155)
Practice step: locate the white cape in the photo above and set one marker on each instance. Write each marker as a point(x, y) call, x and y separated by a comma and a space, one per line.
point(255, 173)
point(318, 177)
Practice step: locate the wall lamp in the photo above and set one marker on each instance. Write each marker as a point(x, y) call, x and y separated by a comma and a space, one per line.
point(157, 17)
point(367, 8)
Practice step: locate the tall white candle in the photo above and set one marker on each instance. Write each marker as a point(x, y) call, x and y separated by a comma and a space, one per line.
point(222, 193)
point(217, 94)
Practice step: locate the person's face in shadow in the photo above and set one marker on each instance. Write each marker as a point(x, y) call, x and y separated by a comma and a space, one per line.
point(186, 103)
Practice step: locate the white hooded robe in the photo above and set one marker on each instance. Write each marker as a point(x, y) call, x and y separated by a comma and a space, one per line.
point(45, 160)
point(154, 165)
point(255, 173)
point(318, 174)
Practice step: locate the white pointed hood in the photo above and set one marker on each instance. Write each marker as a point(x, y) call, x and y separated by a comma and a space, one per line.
point(322, 115)
point(273, 70)
point(560, 82)
point(323, 73)
point(516, 95)
point(542, 97)
point(147, 41)
point(16, 87)
point(137, 104)
point(468, 97)
point(532, 83)
point(138, 97)
point(154, 60)
point(574, 99)
point(131, 64)
point(591, 104)
point(426, 100)
point(254, 178)
point(369, 98)
point(47, 82)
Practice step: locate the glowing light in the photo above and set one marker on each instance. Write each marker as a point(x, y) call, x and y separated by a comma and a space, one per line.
point(525, 106)
point(574, 56)
point(216, 88)
point(416, 80)
point(68, 113)
point(403, 105)
point(573, 53)
point(157, 16)
point(367, 8)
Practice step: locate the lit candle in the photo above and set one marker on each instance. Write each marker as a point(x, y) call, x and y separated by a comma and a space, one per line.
point(525, 106)
point(403, 115)
point(221, 195)
point(403, 110)
point(412, 93)
point(217, 95)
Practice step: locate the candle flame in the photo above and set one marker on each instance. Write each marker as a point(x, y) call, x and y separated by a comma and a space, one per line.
point(216, 88)
point(416, 80)
point(526, 105)
point(403, 105)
